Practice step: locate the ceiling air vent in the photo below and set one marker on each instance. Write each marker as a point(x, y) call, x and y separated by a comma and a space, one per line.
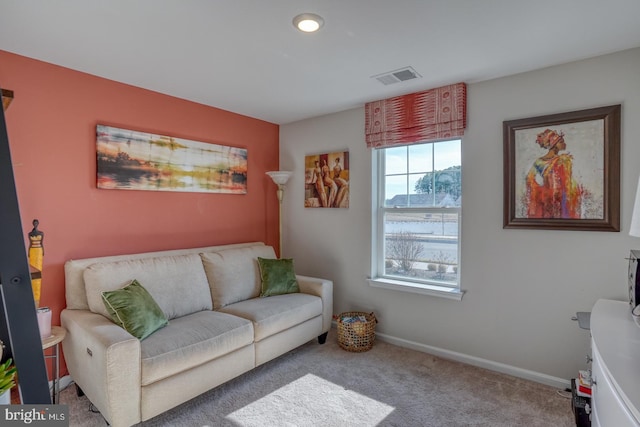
point(397, 76)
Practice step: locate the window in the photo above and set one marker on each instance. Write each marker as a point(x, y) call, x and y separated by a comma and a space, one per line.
point(417, 212)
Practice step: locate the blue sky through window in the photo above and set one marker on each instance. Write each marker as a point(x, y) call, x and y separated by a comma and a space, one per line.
point(406, 165)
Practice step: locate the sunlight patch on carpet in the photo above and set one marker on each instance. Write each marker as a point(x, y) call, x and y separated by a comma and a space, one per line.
point(312, 401)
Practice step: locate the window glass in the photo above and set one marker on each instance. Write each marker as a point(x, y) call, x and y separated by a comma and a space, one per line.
point(419, 213)
point(395, 160)
point(396, 190)
point(420, 158)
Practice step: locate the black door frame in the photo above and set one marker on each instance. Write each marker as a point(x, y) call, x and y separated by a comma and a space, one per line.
point(18, 320)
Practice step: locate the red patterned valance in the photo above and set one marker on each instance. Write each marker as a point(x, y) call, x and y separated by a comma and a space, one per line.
point(418, 117)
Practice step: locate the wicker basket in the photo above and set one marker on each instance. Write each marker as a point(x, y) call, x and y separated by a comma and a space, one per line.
point(356, 330)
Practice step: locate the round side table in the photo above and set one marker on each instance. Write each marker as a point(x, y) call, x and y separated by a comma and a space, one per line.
point(57, 335)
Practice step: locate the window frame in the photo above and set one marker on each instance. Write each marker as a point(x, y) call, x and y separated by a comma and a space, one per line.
point(377, 278)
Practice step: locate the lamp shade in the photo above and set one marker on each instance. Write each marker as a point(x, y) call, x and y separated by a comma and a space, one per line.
point(635, 216)
point(280, 177)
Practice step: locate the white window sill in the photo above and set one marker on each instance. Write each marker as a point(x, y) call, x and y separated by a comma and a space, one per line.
point(417, 288)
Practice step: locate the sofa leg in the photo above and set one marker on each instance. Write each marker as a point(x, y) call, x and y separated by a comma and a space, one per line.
point(79, 391)
point(322, 338)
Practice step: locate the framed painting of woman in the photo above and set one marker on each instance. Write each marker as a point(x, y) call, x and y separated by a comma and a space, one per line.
point(562, 171)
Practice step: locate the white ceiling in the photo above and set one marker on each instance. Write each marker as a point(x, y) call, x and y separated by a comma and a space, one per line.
point(245, 56)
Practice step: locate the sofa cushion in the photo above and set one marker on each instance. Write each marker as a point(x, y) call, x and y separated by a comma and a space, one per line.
point(277, 277)
point(134, 310)
point(190, 341)
point(233, 273)
point(277, 313)
point(177, 283)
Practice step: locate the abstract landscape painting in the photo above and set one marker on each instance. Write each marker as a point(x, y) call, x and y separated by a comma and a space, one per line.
point(132, 160)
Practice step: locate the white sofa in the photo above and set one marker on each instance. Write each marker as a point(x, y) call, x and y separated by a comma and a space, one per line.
point(218, 326)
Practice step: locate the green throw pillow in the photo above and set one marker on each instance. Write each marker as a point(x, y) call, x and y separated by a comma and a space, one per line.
point(277, 277)
point(134, 309)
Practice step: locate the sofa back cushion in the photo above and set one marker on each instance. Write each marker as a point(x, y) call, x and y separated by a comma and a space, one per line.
point(74, 286)
point(233, 273)
point(178, 284)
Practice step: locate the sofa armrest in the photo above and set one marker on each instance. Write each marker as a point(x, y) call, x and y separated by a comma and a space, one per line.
point(104, 361)
point(322, 288)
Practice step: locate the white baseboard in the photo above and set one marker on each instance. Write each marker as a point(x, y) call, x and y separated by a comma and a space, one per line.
point(63, 383)
point(526, 374)
point(538, 377)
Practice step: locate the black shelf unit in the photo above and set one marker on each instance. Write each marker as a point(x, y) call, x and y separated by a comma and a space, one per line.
point(581, 407)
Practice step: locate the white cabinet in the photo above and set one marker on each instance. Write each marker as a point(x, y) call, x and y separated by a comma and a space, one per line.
point(615, 344)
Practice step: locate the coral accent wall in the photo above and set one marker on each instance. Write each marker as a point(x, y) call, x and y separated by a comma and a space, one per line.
point(52, 124)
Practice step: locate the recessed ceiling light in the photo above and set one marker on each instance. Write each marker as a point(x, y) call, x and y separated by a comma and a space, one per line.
point(308, 22)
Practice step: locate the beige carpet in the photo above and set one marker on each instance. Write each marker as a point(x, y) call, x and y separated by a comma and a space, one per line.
point(323, 385)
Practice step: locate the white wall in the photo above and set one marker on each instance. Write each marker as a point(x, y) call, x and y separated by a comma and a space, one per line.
point(522, 286)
